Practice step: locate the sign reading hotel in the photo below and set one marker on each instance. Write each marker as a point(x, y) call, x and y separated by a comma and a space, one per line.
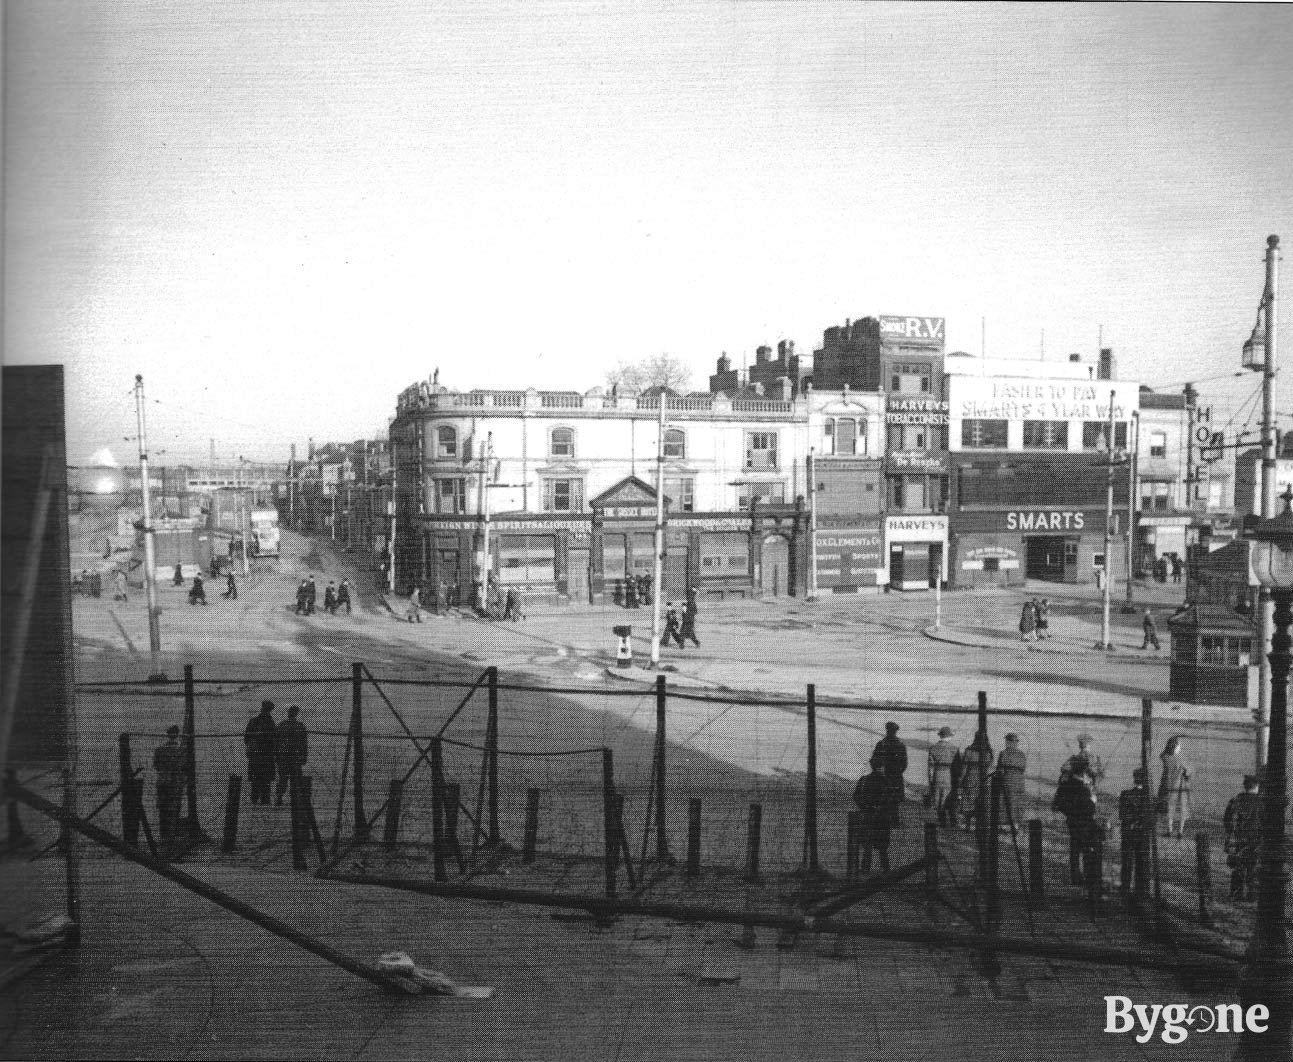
point(1019, 398)
point(902, 409)
point(912, 329)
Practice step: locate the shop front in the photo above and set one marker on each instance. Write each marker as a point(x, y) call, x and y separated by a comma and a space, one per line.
point(1004, 547)
point(917, 550)
point(850, 560)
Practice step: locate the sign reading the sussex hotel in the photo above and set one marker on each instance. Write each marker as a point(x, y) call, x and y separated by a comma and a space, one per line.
point(919, 329)
point(905, 409)
point(1016, 398)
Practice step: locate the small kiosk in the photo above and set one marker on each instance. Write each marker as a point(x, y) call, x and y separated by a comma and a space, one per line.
point(1213, 656)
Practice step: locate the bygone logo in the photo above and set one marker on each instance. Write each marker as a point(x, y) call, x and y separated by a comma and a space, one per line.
point(1178, 1020)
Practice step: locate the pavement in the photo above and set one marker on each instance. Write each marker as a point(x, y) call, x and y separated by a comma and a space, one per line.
point(162, 973)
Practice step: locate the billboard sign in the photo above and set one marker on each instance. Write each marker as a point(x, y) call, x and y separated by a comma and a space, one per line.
point(848, 557)
point(1020, 398)
point(905, 409)
point(912, 329)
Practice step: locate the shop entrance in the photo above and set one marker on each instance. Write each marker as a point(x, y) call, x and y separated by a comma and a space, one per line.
point(1047, 558)
point(775, 571)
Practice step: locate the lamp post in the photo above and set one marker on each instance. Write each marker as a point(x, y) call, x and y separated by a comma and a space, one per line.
point(1267, 978)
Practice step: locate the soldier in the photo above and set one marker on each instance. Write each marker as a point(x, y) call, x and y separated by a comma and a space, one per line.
point(873, 796)
point(171, 766)
point(260, 741)
point(343, 595)
point(893, 754)
point(942, 757)
point(976, 761)
point(1011, 765)
point(1086, 762)
point(1136, 821)
point(1151, 632)
point(292, 748)
point(1243, 824)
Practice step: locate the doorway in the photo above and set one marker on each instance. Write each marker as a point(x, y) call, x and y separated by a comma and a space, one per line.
point(1045, 558)
point(774, 570)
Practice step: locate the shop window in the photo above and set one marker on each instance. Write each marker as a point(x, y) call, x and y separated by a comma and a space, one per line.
point(446, 442)
point(1095, 435)
point(984, 434)
point(1046, 434)
point(451, 495)
point(681, 493)
point(526, 559)
point(763, 493)
point(724, 554)
point(563, 495)
point(675, 444)
point(761, 449)
point(561, 442)
point(1158, 444)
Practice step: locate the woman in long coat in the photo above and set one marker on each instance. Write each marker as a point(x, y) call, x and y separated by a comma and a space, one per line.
point(1174, 788)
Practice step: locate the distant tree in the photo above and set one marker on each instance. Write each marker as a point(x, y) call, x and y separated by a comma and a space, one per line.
point(659, 370)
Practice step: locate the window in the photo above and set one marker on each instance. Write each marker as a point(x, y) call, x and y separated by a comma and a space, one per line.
point(681, 493)
point(451, 495)
point(1095, 432)
point(1158, 444)
point(763, 493)
point(562, 442)
point(563, 495)
point(1220, 651)
point(526, 559)
point(1155, 496)
point(724, 553)
point(910, 379)
point(842, 436)
point(986, 434)
point(761, 449)
point(675, 444)
point(446, 442)
point(1046, 434)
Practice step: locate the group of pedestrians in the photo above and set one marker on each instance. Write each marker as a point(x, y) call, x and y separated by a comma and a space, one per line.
point(274, 748)
point(681, 631)
point(335, 597)
point(1034, 620)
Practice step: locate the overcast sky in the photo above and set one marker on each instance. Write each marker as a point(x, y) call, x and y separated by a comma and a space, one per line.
point(283, 214)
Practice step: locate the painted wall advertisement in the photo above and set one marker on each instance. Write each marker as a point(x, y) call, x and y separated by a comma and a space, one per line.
point(848, 557)
point(912, 329)
point(1018, 398)
point(908, 409)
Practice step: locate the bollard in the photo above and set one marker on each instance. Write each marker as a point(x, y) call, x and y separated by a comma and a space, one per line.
point(931, 858)
point(1203, 869)
point(624, 651)
point(693, 838)
point(752, 842)
point(531, 826)
point(393, 802)
point(295, 816)
point(232, 798)
point(853, 847)
point(1036, 875)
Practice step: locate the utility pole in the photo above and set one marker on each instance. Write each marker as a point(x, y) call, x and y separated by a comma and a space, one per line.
point(1106, 641)
point(483, 602)
point(657, 576)
point(1133, 502)
point(150, 561)
point(812, 525)
point(1266, 607)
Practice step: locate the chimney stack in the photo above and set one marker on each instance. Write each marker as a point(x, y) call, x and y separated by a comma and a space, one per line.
point(1108, 365)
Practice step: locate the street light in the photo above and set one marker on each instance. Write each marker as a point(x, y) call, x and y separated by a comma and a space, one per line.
point(1266, 978)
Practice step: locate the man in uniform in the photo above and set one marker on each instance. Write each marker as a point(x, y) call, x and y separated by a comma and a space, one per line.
point(292, 746)
point(893, 756)
point(1136, 823)
point(942, 757)
point(1011, 765)
point(259, 739)
point(171, 766)
point(1243, 824)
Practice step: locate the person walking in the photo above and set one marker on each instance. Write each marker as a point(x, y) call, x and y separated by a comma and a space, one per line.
point(893, 755)
point(343, 595)
point(1075, 800)
point(1028, 622)
point(942, 759)
point(303, 598)
point(1174, 788)
point(261, 744)
point(171, 766)
point(330, 599)
point(689, 612)
point(441, 600)
point(119, 587)
point(311, 595)
point(976, 762)
point(512, 610)
point(873, 797)
point(1043, 619)
point(1011, 766)
point(1151, 631)
point(178, 578)
point(230, 587)
point(414, 612)
point(1178, 568)
point(1243, 826)
point(671, 630)
point(198, 591)
point(1135, 823)
point(291, 749)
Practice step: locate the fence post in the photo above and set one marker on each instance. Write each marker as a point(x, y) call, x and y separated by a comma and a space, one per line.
point(437, 810)
point(752, 842)
point(994, 853)
point(931, 858)
point(609, 825)
point(129, 809)
point(1036, 874)
point(1146, 748)
point(491, 745)
point(393, 802)
point(357, 741)
point(1203, 869)
point(309, 827)
point(852, 846)
point(810, 786)
point(981, 800)
point(297, 816)
point(531, 826)
point(452, 801)
point(233, 798)
point(693, 837)
point(623, 841)
point(661, 704)
point(1095, 872)
point(190, 749)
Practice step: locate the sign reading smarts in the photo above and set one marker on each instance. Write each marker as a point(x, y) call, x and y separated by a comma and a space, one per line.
point(1042, 520)
point(918, 329)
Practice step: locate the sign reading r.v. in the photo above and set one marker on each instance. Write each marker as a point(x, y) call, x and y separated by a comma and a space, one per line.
point(929, 329)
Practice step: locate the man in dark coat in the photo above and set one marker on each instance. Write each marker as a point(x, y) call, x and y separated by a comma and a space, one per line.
point(1075, 800)
point(260, 741)
point(1243, 824)
point(178, 578)
point(230, 587)
point(689, 610)
point(343, 595)
point(303, 597)
point(893, 756)
point(292, 746)
point(1136, 825)
point(311, 595)
point(198, 591)
point(671, 631)
point(873, 797)
point(171, 766)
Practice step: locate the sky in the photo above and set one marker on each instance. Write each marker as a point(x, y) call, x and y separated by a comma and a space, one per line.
point(282, 215)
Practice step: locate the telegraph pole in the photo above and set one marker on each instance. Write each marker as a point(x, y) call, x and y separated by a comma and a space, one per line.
point(1133, 502)
point(150, 562)
point(1266, 607)
point(812, 525)
point(657, 576)
point(484, 534)
point(1106, 641)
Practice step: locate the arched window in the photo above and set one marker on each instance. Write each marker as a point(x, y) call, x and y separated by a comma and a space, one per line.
point(675, 444)
point(446, 442)
point(562, 442)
